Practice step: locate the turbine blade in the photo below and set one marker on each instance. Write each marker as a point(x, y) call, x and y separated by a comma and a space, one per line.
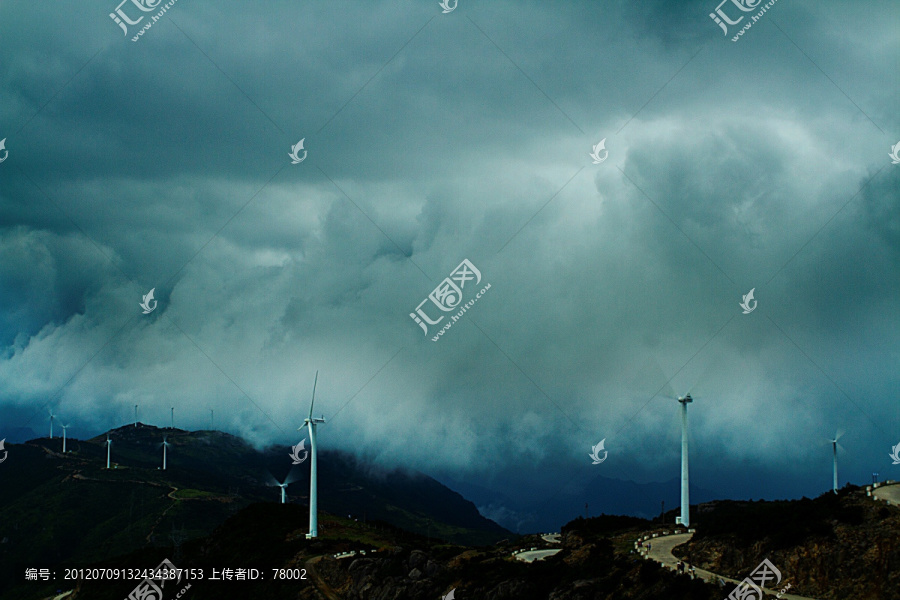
point(311, 404)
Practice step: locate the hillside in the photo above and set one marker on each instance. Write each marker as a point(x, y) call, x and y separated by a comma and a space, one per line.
point(69, 509)
point(832, 547)
point(593, 564)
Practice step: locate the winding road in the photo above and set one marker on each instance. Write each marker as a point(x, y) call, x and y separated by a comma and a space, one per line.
point(661, 552)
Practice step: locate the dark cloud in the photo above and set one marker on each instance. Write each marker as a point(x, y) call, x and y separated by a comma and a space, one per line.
point(433, 138)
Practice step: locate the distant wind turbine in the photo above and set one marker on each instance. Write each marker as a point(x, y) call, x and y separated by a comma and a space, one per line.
point(64, 437)
point(108, 444)
point(165, 444)
point(51, 423)
point(211, 419)
point(289, 479)
point(311, 423)
point(135, 415)
point(173, 417)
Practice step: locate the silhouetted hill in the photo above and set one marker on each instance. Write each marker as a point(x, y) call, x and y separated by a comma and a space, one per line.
point(69, 509)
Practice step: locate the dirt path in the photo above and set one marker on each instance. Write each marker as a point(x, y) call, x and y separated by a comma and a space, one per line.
point(661, 552)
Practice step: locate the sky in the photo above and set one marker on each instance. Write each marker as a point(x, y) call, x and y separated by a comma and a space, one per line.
point(433, 137)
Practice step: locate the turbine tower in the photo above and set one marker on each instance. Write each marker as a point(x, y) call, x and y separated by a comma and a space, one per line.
point(834, 451)
point(211, 419)
point(311, 423)
point(135, 415)
point(108, 444)
point(51, 423)
point(282, 486)
point(173, 417)
point(64, 437)
point(164, 445)
point(685, 495)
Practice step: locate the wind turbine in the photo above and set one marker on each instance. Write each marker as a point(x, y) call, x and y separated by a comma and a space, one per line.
point(64, 437)
point(667, 392)
point(51, 423)
point(311, 423)
point(108, 444)
point(834, 449)
point(211, 421)
point(173, 417)
point(288, 480)
point(164, 445)
point(685, 484)
point(135, 415)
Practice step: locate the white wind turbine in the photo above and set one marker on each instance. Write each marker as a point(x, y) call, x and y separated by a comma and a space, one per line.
point(165, 444)
point(288, 480)
point(834, 451)
point(685, 484)
point(311, 423)
point(108, 444)
point(52, 416)
point(64, 436)
point(667, 392)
